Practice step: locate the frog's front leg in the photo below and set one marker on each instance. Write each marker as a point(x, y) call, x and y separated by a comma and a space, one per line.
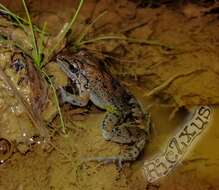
point(80, 100)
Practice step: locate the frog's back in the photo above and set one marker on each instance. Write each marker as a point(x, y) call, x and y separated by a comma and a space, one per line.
point(106, 92)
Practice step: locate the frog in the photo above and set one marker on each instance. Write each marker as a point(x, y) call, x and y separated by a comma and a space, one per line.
point(95, 83)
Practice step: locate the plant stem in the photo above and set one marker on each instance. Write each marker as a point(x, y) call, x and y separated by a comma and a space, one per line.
point(21, 22)
point(41, 46)
point(88, 27)
point(164, 85)
point(33, 37)
point(131, 40)
point(64, 32)
point(56, 101)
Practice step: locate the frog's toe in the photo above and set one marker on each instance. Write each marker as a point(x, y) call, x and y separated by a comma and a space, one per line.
point(106, 160)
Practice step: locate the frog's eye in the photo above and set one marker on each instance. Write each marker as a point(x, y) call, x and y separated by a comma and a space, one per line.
point(73, 68)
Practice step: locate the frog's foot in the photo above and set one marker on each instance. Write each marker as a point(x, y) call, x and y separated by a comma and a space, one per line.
point(106, 160)
point(129, 154)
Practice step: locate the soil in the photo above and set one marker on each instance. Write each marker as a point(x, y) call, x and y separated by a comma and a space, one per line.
point(181, 52)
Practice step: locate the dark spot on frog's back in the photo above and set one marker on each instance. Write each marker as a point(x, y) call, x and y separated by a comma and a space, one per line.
point(115, 84)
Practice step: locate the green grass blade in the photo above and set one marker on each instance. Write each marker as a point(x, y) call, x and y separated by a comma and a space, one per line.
point(89, 26)
point(66, 29)
point(41, 46)
point(11, 14)
point(21, 22)
point(33, 37)
point(131, 40)
point(62, 123)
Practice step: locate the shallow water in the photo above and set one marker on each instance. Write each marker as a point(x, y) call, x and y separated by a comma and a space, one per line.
point(60, 165)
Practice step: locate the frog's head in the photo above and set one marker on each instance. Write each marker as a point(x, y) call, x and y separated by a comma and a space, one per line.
point(76, 64)
point(70, 65)
point(80, 67)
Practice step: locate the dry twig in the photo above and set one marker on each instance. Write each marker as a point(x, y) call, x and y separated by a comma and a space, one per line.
point(161, 87)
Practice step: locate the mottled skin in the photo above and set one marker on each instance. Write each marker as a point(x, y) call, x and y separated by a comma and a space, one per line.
point(95, 83)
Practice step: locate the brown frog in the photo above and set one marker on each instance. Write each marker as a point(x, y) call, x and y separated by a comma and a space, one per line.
point(123, 112)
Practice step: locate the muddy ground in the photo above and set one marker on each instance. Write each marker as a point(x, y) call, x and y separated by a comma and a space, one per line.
point(183, 45)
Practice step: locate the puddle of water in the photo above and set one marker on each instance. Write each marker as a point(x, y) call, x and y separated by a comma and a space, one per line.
point(201, 160)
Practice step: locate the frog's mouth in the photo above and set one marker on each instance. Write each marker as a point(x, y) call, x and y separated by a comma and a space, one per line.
point(65, 66)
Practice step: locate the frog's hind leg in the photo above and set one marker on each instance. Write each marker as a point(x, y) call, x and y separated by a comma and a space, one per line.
point(142, 116)
point(135, 137)
point(123, 134)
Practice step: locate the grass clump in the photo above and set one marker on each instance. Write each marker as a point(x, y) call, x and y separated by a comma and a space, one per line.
point(38, 54)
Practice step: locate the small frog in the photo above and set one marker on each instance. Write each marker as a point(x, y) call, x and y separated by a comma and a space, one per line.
point(94, 82)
